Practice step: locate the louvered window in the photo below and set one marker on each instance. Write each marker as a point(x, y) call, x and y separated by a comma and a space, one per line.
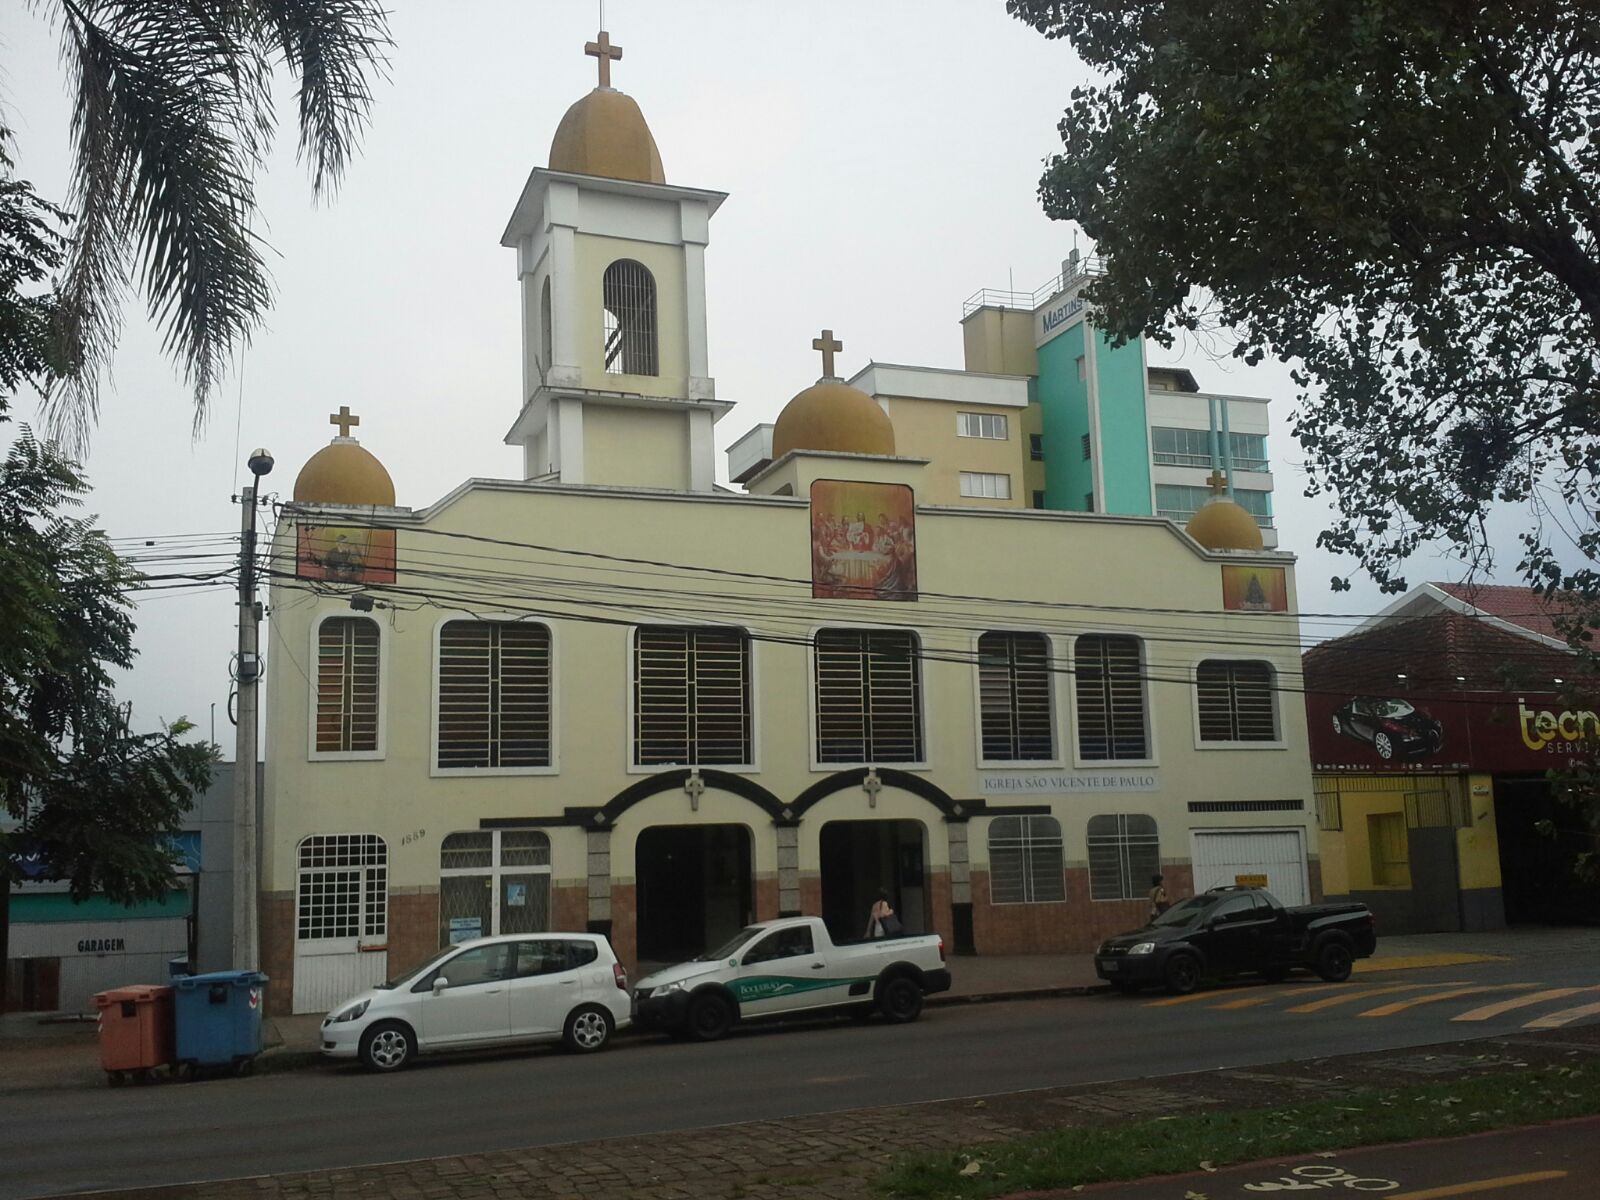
point(1110, 694)
point(494, 695)
point(1235, 701)
point(1014, 697)
point(869, 696)
point(1025, 861)
point(1124, 855)
point(691, 696)
point(629, 299)
point(347, 685)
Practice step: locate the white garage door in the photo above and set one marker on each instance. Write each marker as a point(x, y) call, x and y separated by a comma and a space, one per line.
point(1222, 857)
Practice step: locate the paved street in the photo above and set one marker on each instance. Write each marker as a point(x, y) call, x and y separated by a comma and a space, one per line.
point(75, 1140)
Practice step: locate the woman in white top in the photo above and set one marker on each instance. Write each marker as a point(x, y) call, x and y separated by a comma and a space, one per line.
point(881, 921)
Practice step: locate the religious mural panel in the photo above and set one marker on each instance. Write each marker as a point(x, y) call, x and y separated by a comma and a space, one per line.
point(1254, 589)
point(863, 541)
point(345, 554)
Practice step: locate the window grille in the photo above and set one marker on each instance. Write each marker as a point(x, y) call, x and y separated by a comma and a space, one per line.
point(494, 694)
point(343, 887)
point(493, 882)
point(1235, 702)
point(629, 297)
point(986, 485)
point(1014, 697)
point(691, 696)
point(1087, 447)
point(1025, 861)
point(1192, 448)
point(347, 685)
point(993, 426)
point(1036, 447)
point(1124, 854)
point(869, 696)
point(1110, 695)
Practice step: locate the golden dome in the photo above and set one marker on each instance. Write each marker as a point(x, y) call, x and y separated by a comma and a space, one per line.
point(343, 472)
point(604, 134)
point(832, 415)
point(1222, 524)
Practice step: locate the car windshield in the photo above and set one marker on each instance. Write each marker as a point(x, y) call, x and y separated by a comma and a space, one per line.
point(1185, 911)
point(1393, 708)
point(731, 947)
point(413, 972)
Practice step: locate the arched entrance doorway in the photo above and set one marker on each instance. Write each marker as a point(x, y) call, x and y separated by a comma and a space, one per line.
point(860, 857)
point(694, 888)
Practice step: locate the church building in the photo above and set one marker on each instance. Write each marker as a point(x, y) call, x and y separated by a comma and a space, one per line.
point(615, 695)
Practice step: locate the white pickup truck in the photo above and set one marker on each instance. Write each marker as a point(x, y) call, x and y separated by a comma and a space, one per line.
point(776, 968)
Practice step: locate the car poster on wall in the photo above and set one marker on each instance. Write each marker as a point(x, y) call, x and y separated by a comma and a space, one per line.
point(863, 541)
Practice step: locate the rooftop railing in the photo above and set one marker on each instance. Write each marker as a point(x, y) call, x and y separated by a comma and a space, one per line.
point(1074, 271)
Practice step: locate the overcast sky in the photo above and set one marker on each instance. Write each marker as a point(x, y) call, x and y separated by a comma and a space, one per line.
point(881, 160)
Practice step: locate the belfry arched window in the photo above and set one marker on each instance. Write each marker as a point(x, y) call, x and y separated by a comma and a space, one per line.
point(628, 293)
point(547, 341)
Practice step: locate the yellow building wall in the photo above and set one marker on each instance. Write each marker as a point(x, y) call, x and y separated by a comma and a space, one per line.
point(1000, 341)
point(636, 447)
point(1041, 558)
point(594, 254)
point(1478, 846)
point(927, 429)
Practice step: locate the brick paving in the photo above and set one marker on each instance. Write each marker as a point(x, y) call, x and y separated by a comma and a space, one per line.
point(834, 1156)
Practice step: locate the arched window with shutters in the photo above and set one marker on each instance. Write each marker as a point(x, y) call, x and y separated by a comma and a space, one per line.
point(346, 717)
point(628, 296)
point(1234, 702)
point(547, 337)
point(1109, 689)
point(1017, 723)
point(493, 698)
point(1025, 861)
point(1124, 855)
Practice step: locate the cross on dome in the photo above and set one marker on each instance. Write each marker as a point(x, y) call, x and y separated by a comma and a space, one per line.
point(829, 345)
point(344, 419)
point(605, 52)
point(1217, 482)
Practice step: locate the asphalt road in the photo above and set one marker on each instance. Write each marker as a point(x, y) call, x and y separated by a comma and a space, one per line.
point(64, 1141)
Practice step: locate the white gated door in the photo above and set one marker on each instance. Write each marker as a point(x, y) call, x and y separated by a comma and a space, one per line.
point(341, 919)
point(1229, 856)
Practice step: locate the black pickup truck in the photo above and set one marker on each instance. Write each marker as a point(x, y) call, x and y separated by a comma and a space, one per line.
point(1237, 931)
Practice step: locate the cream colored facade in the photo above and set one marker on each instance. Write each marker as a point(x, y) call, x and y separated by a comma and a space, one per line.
point(617, 527)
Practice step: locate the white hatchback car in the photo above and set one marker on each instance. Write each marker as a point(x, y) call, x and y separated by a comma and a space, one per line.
point(497, 990)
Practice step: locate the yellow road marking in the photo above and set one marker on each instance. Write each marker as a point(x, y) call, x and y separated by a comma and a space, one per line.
point(1478, 1185)
point(1247, 1002)
point(1363, 993)
point(1565, 1017)
point(1189, 999)
point(1504, 1006)
point(1407, 962)
point(1388, 1010)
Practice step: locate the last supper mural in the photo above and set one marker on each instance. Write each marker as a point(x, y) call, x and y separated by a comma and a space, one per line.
point(863, 541)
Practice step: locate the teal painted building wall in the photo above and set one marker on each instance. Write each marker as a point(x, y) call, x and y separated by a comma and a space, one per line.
point(1124, 427)
point(1064, 413)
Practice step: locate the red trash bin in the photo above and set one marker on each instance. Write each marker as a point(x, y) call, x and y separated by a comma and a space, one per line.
point(136, 1031)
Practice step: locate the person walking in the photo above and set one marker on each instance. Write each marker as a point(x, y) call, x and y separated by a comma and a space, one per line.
point(1158, 897)
point(881, 921)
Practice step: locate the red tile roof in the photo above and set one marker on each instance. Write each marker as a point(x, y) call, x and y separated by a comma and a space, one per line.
point(1518, 605)
point(1441, 653)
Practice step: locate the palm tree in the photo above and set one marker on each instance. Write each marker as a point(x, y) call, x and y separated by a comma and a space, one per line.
point(172, 120)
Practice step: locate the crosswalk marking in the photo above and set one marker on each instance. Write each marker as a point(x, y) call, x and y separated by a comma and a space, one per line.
point(1505, 1006)
point(1247, 1002)
point(1388, 1010)
point(1364, 993)
point(1189, 999)
point(1565, 1017)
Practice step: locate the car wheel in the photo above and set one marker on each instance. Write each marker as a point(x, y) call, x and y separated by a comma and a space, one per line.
point(1382, 744)
point(710, 1017)
point(1338, 725)
point(1181, 974)
point(387, 1046)
point(900, 1000)
point(1334, 962)
point(587, 1029)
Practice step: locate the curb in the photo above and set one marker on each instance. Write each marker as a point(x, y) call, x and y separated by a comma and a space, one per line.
point(283, 1058)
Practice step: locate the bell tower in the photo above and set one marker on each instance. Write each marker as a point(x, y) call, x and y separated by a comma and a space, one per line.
point(616, 386)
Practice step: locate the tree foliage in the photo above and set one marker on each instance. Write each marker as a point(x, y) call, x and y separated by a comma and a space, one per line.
point(1402, 198)
point(173, 116)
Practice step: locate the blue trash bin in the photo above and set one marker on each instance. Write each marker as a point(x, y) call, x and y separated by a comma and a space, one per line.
point(218, 1018)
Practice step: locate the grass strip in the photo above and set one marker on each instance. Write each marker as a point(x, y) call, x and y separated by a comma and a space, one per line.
point(1067, 1158)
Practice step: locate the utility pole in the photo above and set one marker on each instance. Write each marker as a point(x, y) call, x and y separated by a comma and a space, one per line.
point(247, 672)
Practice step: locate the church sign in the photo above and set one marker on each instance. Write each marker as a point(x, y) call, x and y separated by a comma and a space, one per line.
point(1254, 589)
point(863, 541)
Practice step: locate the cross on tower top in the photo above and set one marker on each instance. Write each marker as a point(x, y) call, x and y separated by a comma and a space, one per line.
point(605, 52)
point(344, 419)
point(1217, 482)
point(829, 346)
